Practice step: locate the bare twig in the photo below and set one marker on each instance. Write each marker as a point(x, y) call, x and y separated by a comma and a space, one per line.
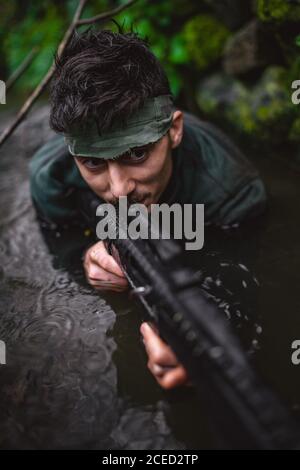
point(42, 85)
point(21, 69)
point(106, 15)
point(26, 106)
point(71, 28)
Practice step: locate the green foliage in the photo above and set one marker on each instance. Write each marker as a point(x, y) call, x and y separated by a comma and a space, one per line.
point(154, 21)
point(278, 10)
point(178, 53)
point(205, 37)
point(189, 40)
point(258, 111)
point(41, 25)
point(170, 26)
point(42, 28)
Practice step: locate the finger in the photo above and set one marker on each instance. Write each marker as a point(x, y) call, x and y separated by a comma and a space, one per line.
point(163, 357)
point(153, 326)
point(97, 273)
point(157, 370)
point(158, 351)
point(147, 329)
point(173, 378)
point(107, 286)
point(101, 257)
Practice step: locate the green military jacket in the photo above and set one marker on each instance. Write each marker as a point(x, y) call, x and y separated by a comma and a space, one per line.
point(207, 169)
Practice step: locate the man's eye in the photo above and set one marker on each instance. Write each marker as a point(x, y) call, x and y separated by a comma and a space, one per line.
point(134, 155)
point(93, 163)
point(139, 154)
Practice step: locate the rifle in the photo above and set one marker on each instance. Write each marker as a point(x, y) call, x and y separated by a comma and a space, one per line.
point(243, 412)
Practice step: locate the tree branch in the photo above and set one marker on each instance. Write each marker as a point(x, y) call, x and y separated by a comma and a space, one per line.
point(42, 85)
point(21, 69)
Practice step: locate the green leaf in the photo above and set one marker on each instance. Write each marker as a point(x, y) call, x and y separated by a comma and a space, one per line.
point(178, 51)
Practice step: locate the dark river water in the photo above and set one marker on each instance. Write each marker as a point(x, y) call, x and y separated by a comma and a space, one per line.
point(75, 373)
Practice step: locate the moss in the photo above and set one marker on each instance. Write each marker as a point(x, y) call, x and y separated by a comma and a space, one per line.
point(271, 105)
point(264, 112)
point(205, 38)
point(278, 10)
point(218, 92)
point(223, 97)
point(241, 117)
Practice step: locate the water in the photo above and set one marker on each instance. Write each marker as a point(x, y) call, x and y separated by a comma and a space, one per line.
point(76, 374)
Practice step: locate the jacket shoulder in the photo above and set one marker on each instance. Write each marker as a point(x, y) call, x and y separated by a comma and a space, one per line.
point(54, 178)
point(223, 178)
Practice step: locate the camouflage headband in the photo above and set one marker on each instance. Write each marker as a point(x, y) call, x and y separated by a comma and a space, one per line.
point(146, 126)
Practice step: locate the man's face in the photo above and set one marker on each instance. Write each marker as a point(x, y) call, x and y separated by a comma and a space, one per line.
point(142, 176)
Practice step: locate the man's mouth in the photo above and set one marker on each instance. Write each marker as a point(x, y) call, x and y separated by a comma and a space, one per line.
point(138, 199)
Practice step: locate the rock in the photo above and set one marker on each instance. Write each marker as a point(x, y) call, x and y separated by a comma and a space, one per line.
point(205, 37)
point(251, 48)
point(217, 94)
point(271, 106)
point(225, 98)
point(264, 112)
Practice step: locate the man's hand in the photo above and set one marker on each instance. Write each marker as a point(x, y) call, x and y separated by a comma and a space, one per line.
point(162, 362)
point(102, 271)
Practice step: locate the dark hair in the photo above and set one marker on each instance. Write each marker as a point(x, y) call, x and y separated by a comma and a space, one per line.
point(103, 76)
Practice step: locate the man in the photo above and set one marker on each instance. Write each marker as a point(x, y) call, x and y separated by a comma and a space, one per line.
point(111, 100)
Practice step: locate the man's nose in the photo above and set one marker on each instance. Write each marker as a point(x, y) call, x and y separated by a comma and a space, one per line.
point(120, 182)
